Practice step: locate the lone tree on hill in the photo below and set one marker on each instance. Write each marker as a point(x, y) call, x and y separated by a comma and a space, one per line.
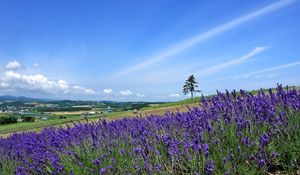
point(190, 86)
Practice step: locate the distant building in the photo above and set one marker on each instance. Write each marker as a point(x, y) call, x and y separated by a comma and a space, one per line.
point(135, 111)
point(44, 118)
point(82, 106)
point(92, 112)
point(108, 110)
point(84, 114)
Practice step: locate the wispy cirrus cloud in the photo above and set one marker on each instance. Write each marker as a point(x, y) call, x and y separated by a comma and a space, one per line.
point(222, 66)
point(179, 47)
point(171, 75)
point(264, 71)
point(269, 72)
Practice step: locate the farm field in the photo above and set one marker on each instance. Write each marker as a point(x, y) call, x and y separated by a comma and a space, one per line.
point(227, 134)
point(6, 130)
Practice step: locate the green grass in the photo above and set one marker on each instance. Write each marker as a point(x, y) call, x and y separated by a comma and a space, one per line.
point(26, 126)
point(188, 101)
point(54, 121)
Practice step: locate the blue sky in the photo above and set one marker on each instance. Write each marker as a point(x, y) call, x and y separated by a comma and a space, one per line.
point(144, 50)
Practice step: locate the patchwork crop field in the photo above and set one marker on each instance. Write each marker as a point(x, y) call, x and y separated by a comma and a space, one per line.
point(229, 133)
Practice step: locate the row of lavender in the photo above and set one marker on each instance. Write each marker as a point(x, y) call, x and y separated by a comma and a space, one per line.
point(229, 133)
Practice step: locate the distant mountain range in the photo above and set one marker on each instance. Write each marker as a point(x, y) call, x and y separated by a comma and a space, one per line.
point(22, 99)
point(50, 105)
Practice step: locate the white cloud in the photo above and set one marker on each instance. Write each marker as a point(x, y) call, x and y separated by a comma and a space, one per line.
point(206, 35)
point(174, 95)
point(83, 90)
point(11, 75)
point(107, 91)
point(13, 65)
point(3, 85)
point(63, 84)
point(35, 65)
point(38, 82)
point(220, 67)
point(126, 93)
point(140, 95)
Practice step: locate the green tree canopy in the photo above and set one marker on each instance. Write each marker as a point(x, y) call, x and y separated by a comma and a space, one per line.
point(190, 86)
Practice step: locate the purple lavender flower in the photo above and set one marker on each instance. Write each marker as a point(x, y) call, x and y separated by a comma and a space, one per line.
point(261, 163)
point(209, 168)
point(274, 154)
point(251, 157)
point(122, 151)
point(263, 140)
point(224, 160)
point(96, 162)
point(146, 166)
point(137, 150)
point(158, 167)
point(205, 149)
point(217, 141)
point(102, 171)
point(20, 171)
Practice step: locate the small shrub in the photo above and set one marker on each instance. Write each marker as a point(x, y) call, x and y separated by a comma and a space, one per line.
point(8, 120)
point(28, 119)
point(62, 117)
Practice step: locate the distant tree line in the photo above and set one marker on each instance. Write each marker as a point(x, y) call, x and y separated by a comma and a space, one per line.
point(58, 109)
point(136, 106)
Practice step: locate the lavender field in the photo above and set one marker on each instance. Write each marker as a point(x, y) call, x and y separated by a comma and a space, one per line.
point(230, 133)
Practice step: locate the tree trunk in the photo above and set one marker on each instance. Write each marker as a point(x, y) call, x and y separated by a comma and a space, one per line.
point(192, 95)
